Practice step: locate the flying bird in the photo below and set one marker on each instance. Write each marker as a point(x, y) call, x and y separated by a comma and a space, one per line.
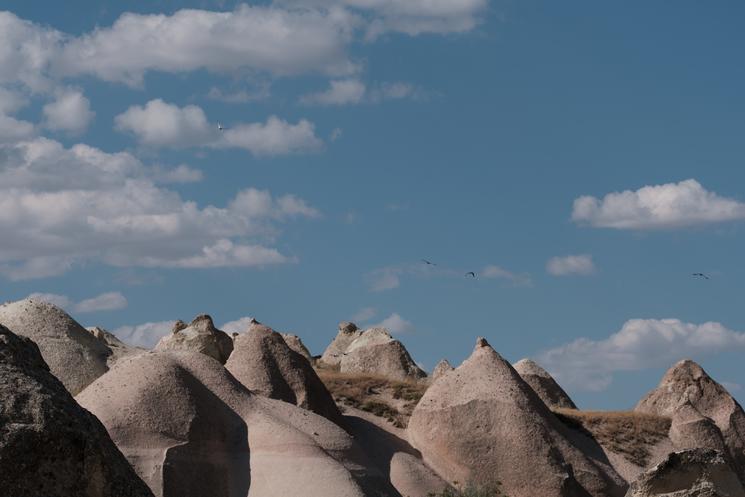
point(701, 275)
point(428, 262)
point(220, 127)
point(471, 274)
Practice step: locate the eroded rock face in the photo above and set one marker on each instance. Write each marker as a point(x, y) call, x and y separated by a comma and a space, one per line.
point(333, 354)
point(199, 336)
point(543, 384)
point(296, 344)
point(74, 355)
point(482, 422)
point(49, 446)
point(266, 365)
point(690, 473)
point(376, 352)
point(442, 367)
point(190, 429)
point(699, 406)
point(118, 348)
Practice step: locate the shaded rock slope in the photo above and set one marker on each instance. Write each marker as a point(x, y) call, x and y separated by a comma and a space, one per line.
point(199, 336)
point(347, 334)
point(49, 445)
point(543, 384)
point(376, 352)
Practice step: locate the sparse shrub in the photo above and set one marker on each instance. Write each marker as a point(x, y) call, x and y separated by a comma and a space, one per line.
point(473, 490)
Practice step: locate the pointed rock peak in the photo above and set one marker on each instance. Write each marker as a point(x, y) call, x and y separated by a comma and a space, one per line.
point(530, 367)
point(347, 327)
point(442, 367)
point(543, 384)
point(481, 342)
point(202, 322)
point(178, 326)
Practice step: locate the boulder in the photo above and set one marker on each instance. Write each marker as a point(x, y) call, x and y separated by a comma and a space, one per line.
point(442, 367)
point(543, 384)
point(348, 332)
point(49, 445)
point(118, 348)
point(296, 344)
point(690, 473)
point(199, 336)
point(264, 363)
point(190, 429)
point(687, 393)
point(482, 422)
point(74, 355)
point(376, 352)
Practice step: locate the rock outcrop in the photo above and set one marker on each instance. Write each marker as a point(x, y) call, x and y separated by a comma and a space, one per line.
point(442, 367)
point(690, 473)
point(49, 445)
point(296, 344)
point(190, 429)
point(347, 334)
point(74, 355)
point(482, 422)
point(266, 365)
point(543, 384)
point(199, 336)
point(376, 352)
point(698, 405)
point(118, 348)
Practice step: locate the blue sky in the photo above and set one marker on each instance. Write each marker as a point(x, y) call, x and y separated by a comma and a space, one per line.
point(584, 159)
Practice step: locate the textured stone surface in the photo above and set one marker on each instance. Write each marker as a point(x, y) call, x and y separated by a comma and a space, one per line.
point(482, 422)
point(376, 352)
point(49, 445)
point(442, 367)
point(74, 355)
point(333, 354)
point(543, 384)
point(266, 365)
point(690, 473)
point(199, 336)
point(296, 344)
point(118, 348)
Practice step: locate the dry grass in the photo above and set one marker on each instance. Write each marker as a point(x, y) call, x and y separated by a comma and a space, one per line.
point(628, 433)
point(389, 399)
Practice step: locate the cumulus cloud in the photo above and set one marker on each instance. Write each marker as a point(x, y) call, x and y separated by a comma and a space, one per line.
point(395, 324)
point(385, 279)
point(237, 326)
point(364, 315)
point(571, 264)
point(144, 335)
point(492, 271)
point(162, 124)
point(353, 91)
point(109, 301)
point(672, 205)
point(70, 111)
point(110, 208)
point(640, 344)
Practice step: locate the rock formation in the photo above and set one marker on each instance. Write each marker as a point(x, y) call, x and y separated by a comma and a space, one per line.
point(442, 367)
point(333, 354)
point(74, 355)
point(543, 384)
point(265, 364)
point(698, 404)
point(199, 336)
point(376, 352)
point(49, 445)
point(690, 473)
point(482, 422)
point(118, 348)
point(190, 429)
point(296, 344)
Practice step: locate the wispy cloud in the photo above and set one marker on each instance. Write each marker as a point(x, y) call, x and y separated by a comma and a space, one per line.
point(395, 324)
point(144, 335)
point(109, 301)
point(571, 264)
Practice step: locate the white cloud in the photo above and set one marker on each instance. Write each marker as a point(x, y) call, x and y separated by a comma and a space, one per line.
point(571, 264)
point(237, 326)
point(395, 324)
point(13, 130)
point(640, 344)
point(159, 123)
point(144, 335)
point(70, 111)
point(364, 315)
point(340, 92)
point(110, 301)
point(239, 96)
point(672, 205)
point(385, 279)
point(110, 208)
point(493, 271)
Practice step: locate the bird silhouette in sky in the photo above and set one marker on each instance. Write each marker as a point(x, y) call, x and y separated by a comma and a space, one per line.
point(429, 263)
point(700, 275)
point(220, 127)
point(471, 274)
